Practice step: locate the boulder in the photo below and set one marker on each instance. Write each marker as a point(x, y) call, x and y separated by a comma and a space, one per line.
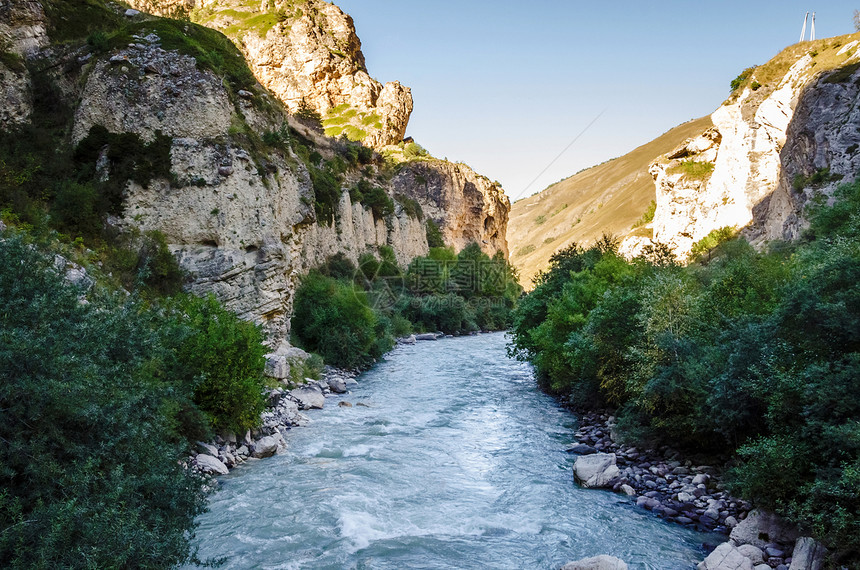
point(211, 464)
point(595, 470)
point(628, 490)
point(602, 562)
point(426, 336)
point(407, 340)
point(208, 448)
point(808, 555)
point(726, 557)
point(268, 446)
point(580, 449)
point(336, 385)
point(277, 366)
point(752, 552)
point(309, 397)
point(761, 528)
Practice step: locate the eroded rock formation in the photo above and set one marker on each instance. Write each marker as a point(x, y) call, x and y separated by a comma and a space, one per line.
point(773, 146)
point(309, 55)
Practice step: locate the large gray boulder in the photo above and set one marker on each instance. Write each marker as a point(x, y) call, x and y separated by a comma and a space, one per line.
point(762, 528)
point(267, 446)
point(602, 562)
point(211, 465)
point(336, 385)
point(277, 366)
point(596, 470)
point(808, 555)
point(726, 557)
point(309, 397)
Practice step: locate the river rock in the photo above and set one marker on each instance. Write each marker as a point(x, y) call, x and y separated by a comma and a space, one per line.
point(425, 336)
point(337, 385)
point(344, 404)
point(277, 366)
point(208, 448)
point(726, 557)
point(407, 340)
point(309, 397)
point(602, 562)
point(808, 555)
point(268, 446)
point(580, 449)
point(210, 464)
point(761, 528)
point(595, 470)
point(752, 552)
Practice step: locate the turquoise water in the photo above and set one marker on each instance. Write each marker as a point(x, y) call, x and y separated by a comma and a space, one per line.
point(455, 463)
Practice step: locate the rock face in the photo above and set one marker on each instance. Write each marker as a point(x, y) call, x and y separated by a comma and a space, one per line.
point(595, 470)
point(773, 145)
point(602, 562)
point(761, 529)
point(467, 206)
point(239, 213)
point(309, 55)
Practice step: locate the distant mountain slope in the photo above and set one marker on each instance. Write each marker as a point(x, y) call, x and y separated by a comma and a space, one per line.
point(608, 198)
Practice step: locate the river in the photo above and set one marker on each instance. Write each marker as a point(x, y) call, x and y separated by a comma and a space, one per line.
point(456, 462)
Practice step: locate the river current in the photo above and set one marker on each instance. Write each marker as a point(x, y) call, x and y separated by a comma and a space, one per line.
point(456, 461)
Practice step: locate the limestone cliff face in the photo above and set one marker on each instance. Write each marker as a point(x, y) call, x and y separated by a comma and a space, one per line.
point(754, 169)
point(467, 206)
point(239, 212)
point(308, 54)
point(22, 33)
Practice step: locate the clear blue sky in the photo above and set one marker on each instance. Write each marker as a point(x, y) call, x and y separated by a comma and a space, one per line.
point(504, 86)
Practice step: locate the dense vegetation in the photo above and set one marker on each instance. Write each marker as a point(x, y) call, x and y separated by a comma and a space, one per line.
point(351, 315)
point(748, 353)
point(100, 401)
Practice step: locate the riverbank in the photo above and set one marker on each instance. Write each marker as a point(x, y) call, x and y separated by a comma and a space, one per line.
point(662, 480)
point(283, 413)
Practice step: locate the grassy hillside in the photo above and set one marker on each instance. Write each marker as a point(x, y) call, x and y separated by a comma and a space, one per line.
point(610, 197)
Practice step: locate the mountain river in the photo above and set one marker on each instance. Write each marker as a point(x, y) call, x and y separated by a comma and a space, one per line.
point(456, 462)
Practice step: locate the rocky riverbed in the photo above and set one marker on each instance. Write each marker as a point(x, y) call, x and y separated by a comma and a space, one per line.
point(284, 412)
point(672, 487)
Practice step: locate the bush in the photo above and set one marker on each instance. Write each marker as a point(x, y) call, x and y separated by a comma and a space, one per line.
point(434, 234)
point(90, 458)
point(222, 357)
point(334, 319)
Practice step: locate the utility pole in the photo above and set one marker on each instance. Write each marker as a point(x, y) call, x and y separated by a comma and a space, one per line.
point(803, 30)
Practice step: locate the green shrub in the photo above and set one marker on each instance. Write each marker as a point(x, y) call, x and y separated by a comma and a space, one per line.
point(223, 357)
point(434, 234)
point(410, 206)
point(648, 215)
point(414, 150)
point(326, 194)
point(90, 460)
point(692, 169)
point(334, 319)
point(711, 241)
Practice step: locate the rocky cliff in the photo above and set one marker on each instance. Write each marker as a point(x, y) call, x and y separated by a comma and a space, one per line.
point(251, 198)
point(787, 133)
point(308, 54)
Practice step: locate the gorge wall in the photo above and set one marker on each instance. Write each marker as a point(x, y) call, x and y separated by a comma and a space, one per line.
point(789, 132)
point(239, 206)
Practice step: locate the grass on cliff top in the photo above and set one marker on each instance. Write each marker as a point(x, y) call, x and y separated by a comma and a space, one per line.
point(825, 57)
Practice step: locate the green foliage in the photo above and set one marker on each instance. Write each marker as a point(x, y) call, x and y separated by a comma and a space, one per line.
point(372, 197)
point(434, 234)
point(749, 353)
point(648, 215)
point(410, 206)
point(815, 180)
point(334, 319)
point(326, 193)
point(712, 241)
point(414, 150)
point(738, 81)
point(90, 456)
point(223, 357)
point(692, 169)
